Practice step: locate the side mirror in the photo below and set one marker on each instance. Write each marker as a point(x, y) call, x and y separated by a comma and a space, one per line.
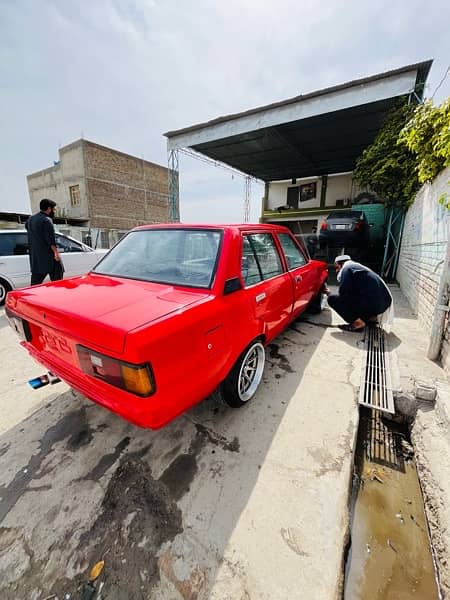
point(232, 285)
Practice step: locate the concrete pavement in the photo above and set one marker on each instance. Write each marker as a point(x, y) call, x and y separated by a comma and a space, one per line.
point(222, 503)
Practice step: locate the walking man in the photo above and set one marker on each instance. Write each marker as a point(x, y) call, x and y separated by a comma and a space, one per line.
point(363, 297)
point(44, 256)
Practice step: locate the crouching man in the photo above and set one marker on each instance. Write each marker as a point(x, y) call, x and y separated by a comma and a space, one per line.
point(363, 297)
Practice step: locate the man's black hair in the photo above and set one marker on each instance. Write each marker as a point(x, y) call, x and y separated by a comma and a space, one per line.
point(45, 203)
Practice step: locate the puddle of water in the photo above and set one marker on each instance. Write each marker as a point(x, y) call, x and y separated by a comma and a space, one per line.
point(390, 556)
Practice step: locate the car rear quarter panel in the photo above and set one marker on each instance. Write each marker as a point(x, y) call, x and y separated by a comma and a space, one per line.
point(191, 353)
point(321, 270)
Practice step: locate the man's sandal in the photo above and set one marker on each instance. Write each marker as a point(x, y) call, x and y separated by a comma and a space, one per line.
point(350, 328)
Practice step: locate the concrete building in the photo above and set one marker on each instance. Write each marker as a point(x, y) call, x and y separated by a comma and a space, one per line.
point(101, 193)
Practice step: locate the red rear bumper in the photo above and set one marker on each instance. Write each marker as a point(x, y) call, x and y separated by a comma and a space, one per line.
point(144, 412)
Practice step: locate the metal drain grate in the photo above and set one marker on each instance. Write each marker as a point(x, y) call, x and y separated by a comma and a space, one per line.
point(376, 387)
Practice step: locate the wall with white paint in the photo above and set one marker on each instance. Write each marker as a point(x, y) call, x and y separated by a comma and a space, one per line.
point(422, 253)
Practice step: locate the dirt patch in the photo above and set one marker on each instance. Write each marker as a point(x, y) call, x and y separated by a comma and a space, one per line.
point(137, 516)
point(283, 361)
point(107, 461)
point(217, 439)
point(180, 473)
point(71, 425)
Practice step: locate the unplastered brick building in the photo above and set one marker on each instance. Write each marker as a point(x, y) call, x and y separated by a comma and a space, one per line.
point(101, 193)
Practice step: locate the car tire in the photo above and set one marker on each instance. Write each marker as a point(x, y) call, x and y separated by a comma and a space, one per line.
point(244, 378)
point(4, 289)
point(315, 306)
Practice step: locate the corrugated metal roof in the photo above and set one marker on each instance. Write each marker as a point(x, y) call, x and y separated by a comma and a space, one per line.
point(319, 133)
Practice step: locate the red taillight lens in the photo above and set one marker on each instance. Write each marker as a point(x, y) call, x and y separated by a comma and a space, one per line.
point(358, 225)
point(137, 379)
point(324, 226)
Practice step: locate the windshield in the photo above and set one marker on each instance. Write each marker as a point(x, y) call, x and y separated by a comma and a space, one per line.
point(185, 257)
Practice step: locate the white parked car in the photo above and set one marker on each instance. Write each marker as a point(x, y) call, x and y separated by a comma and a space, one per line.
point(15, 263)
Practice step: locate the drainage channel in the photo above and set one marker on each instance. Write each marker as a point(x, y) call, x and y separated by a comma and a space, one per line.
point(389, 555)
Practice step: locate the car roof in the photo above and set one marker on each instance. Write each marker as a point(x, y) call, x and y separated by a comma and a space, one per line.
point(220, 226)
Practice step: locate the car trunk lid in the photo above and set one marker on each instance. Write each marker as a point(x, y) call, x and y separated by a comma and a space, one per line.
point(84, 308)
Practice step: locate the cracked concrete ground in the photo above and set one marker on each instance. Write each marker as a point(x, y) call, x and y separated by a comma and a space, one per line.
point(220, 504)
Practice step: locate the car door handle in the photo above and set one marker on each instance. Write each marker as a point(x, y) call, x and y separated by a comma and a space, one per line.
point(298, 278)
point(260, 297)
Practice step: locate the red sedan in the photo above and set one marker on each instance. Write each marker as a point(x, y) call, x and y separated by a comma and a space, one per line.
point(168, 315)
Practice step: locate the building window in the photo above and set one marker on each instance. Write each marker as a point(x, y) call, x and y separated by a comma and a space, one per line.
point(301, 193)
point(74, 191)
point(104, 239)
point(86, 238)
point(307, 191)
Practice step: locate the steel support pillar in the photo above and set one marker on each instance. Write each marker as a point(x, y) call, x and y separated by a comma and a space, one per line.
point(393, 240)
point(174, 193)
point(248, 191)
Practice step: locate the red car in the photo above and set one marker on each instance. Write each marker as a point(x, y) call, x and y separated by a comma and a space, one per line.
point(168, 315)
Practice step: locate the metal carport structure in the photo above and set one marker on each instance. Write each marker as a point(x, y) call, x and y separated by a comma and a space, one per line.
point(319, 133)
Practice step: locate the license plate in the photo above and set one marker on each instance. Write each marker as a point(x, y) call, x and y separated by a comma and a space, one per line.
point(341, 226)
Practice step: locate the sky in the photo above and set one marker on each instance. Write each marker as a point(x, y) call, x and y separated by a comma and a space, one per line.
point(123, 72)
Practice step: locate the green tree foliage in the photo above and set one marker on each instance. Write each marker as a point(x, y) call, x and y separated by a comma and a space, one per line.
point(427, 135)
point(389, 168)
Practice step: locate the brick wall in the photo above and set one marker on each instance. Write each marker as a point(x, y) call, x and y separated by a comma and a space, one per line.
point(422, 253)
point(124, 191)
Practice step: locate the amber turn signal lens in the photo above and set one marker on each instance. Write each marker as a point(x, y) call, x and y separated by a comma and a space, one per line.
point(137, 380)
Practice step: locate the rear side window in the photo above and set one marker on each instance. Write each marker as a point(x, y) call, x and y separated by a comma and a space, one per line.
point(294, 256)
point(260, 258)
point(251, 272)
point(13, 244)
point(66, 245)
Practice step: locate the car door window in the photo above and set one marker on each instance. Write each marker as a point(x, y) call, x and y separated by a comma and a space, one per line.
point(292, 252)
point(66, 245)
point(13, 244)
point(260, 258)
point(251, 273)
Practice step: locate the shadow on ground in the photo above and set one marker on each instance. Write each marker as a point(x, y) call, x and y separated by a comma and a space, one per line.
point(79, 485)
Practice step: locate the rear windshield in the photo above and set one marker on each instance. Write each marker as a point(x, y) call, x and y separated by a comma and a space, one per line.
point(344, 214)
point(185, 257)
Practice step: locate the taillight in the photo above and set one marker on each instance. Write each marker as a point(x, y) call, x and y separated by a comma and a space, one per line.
point(358, 225)
point(324, 226)
point(137, 379)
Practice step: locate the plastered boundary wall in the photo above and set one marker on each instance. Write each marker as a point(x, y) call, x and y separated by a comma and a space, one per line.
point(422, 254)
